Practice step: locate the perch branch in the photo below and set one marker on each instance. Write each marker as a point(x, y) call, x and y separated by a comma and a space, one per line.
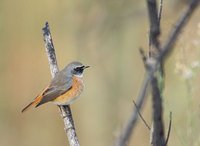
point(65, 110)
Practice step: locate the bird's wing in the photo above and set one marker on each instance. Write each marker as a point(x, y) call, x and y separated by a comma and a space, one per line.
point(58, 86)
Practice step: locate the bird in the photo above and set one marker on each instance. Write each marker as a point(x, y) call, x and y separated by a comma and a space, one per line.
point(65, 87)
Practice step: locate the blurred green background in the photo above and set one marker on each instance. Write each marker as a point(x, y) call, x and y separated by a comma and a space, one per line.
point(105, 35)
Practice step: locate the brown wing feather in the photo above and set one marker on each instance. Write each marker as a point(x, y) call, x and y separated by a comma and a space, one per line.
point(58, 86)
point(51, 95)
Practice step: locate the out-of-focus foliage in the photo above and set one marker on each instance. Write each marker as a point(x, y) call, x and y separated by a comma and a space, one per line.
point(105, 35)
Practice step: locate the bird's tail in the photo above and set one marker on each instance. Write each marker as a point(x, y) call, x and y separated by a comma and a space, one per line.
point(36, 101)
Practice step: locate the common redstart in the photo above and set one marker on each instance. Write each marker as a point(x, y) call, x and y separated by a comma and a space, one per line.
point(65, 87)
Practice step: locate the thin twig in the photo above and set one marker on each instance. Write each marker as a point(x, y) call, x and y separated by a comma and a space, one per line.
point(169, 129)
point(149, 44)
point(144, 58)
point(160, 11)
point(141, 116)
point(65, 110)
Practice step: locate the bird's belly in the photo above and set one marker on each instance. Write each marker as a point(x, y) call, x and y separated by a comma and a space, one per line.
point(72, 94)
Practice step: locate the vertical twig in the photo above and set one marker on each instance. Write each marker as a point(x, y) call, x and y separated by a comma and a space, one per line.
point(157, 130)
point(65, 110)
point(154, 31)
point(160, 11)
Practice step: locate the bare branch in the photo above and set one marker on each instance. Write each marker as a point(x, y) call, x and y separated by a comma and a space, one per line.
point(177, 30)
point(157, 130)
point(129, 127)
point(172, 38)
point(69, 125)
point(50, 50)
point(153, 17)
point(157, 135)
point(65, 110)
point(169, 129)
point(154, 25)
point(126, 132)
point(141, 116)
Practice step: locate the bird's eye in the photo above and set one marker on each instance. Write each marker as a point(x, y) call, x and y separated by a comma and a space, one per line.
point(79, 69)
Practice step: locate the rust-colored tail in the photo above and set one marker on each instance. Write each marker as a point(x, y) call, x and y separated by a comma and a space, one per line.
point(36, 101)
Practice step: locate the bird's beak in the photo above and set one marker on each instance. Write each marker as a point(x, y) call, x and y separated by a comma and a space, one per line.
point(85, 67)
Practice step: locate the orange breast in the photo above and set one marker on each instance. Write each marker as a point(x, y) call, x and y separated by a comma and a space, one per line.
point(72, 94)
